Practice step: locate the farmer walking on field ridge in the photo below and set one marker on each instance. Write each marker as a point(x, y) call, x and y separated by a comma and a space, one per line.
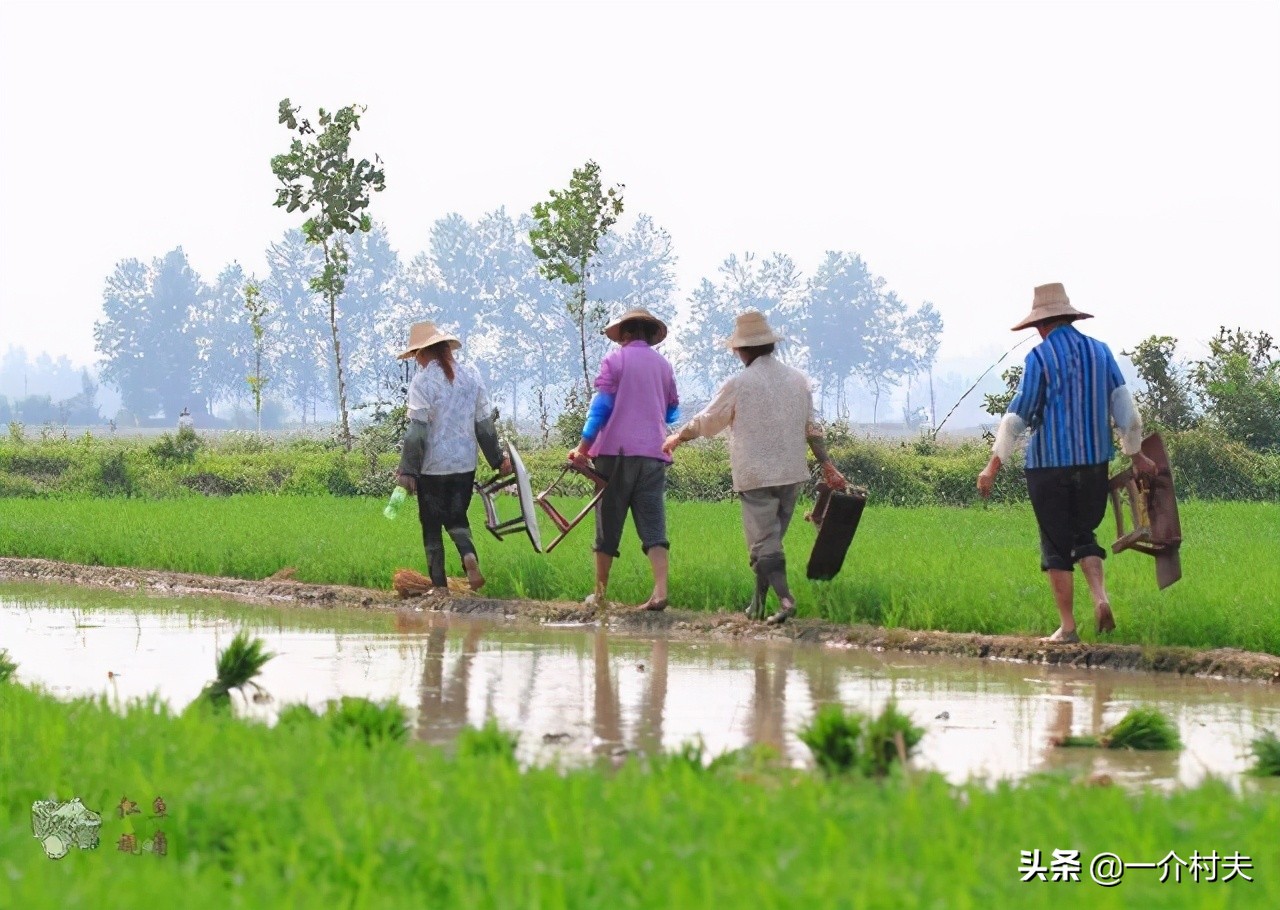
point(768, 410)
point(1070, 393)
point(635, 400)
point(448, 417)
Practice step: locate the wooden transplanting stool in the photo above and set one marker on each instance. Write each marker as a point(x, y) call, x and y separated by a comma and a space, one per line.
point(1153, 509)
point(837, 515)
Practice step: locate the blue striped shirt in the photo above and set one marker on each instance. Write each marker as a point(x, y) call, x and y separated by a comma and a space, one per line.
point(1065, 398)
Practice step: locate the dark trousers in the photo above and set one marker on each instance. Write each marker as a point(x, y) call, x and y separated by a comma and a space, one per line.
point(443, 500)
point(1069, 504)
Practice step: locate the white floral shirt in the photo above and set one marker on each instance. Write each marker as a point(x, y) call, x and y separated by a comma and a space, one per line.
point(450, 410)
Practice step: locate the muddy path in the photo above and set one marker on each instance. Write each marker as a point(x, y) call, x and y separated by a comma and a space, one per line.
point(1228, 663)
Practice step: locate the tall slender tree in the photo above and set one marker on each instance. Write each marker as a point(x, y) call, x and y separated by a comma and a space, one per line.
point(318, 173)
point(566, 238)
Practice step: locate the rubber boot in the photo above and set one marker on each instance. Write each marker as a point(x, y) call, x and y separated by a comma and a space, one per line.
point(435, 567)
point(757, 608)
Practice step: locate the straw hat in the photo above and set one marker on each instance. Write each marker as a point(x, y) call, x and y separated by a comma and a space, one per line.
point(423, 335)
point(751, 330)
point(613, 331)
point(1050, 302)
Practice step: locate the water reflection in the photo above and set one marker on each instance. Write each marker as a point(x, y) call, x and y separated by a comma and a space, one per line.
point(576, 695)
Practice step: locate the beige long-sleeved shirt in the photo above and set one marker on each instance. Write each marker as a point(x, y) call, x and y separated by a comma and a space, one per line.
point(768, 411)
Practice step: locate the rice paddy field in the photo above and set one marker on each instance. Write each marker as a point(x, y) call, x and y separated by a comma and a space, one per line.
point(294, 817)
point(970, 569)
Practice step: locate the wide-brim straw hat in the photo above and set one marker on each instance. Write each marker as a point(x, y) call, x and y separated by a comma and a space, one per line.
point(613, 331)
point(424, 335)
point(751, 330)
point(1050, 302)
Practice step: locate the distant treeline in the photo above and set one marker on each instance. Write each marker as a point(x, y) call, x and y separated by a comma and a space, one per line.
point(169, 339)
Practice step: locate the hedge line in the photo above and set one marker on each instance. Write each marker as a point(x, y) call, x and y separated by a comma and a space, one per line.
point(899, 473)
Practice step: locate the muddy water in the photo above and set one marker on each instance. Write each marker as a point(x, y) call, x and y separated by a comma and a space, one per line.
point(576, 693)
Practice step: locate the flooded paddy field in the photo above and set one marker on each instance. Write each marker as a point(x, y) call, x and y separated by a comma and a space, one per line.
point(576, 693)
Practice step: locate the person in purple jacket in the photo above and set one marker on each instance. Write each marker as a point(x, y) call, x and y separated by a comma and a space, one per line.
point(626, 425)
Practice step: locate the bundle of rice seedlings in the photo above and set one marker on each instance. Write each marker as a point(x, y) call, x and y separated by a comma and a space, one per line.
point(7, 666)
point(489, 740)
point(1266, 752)
point(236, 667)
point(833, 736)
point(1143, 728)
point(368, 720)
point(890, 737)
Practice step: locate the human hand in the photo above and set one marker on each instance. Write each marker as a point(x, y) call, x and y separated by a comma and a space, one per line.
point(832, 477)
point(986, 480)
point(505, 467)
point(408, 481)
point(672, 443)
point(580, 453)
point(1144, 465)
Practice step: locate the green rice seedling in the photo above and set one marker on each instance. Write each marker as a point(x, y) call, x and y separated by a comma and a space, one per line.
point(487, 741)
point(7, 666)
point(1143, 728)
point(1266, 753)
point(297, 715)
point(369, 720)
point(891, 737)
point(690, 754)
point(834, 737)
point(237, 665)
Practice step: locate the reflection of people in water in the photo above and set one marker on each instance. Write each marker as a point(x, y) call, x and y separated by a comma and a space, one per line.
point(653, 704)
point(606, 720)
point(442, 704)
point(767, 724)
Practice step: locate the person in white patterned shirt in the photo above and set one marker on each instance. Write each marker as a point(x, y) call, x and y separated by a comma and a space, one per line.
point(449, 420)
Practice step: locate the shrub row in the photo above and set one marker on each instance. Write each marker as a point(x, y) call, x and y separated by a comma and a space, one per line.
point(922, 472)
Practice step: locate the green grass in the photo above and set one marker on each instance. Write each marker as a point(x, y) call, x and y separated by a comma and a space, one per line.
point(958, 569)
point(298, 818)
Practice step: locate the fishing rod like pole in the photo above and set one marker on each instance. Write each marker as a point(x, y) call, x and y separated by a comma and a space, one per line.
point(978, 380)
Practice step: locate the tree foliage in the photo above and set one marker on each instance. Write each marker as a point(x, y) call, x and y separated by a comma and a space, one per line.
point(1239, 383)
point(566, 237)
point(1166, 401)
point(318, 174)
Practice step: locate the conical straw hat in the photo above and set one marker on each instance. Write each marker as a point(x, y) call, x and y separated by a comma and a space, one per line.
point(1050, 302)
point(750, 330)
point(424, 335)
point(613, 331)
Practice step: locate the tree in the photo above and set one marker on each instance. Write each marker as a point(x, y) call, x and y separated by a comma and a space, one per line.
point(997, 404)
point(256, 308)
point(1240, 384)
point(225, 350)
point(147, 337)
point(771, 285)
point(884, 360)
point(921, 336)
point(296, 325)
point(567, 237)
point(843, 296)
point(317, 173)
point(1166, 402)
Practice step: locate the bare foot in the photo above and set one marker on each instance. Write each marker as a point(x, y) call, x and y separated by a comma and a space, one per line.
point(1062, 638)
point(472, 565)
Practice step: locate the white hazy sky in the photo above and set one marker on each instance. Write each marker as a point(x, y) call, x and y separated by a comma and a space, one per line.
point(968, 151)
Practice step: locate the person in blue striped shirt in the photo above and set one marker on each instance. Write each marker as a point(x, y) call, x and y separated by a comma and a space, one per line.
point(1070, 393)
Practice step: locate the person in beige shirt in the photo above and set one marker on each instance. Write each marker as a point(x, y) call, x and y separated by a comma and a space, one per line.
point(768, 411)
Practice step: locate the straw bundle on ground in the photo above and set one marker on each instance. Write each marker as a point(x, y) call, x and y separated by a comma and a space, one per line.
point(408, 583)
